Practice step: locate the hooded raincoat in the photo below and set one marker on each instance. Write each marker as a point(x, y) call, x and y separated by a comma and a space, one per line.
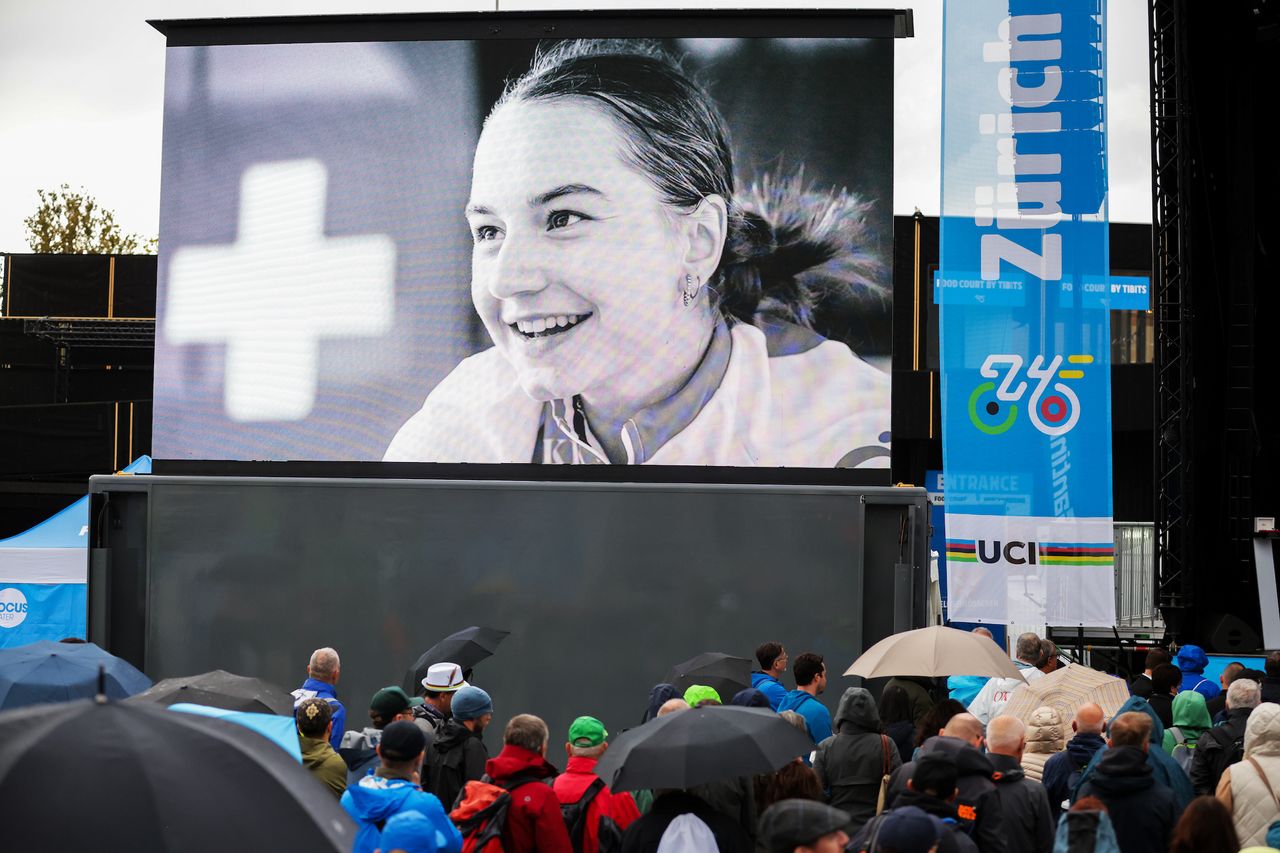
point(378, 798)
point(851, 763)
point(1190, 717)
point(1142, 810)
point(534, 821)
point(1192, 660)
point(1163, 768)
point(1243, 789)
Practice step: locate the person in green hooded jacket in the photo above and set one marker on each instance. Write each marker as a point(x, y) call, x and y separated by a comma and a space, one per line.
point(1190, 717)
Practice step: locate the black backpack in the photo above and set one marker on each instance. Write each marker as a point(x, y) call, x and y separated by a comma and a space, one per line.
point(575, 819)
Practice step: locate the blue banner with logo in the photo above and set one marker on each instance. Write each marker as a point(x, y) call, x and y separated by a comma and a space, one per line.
point(1024, 291)
point(38, 611)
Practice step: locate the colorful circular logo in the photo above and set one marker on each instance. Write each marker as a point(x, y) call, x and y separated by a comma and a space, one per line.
point(988, 415)
point(13, 607)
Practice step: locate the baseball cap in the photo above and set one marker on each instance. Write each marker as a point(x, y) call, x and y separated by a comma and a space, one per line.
point(402, 741)
point(788, 824)
point(443, 678)
point(700, 693)
point(471, 703)
point(587, 731)
point(390, 701)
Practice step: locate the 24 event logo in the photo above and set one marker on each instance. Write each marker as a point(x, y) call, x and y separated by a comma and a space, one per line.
point(1054, 409)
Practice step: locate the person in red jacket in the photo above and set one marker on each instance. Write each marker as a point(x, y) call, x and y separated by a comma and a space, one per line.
point(534, 822)
point(585, 746)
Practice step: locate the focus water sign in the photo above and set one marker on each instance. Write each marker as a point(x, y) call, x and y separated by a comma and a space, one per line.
point(1024, 290)
point(13, 607)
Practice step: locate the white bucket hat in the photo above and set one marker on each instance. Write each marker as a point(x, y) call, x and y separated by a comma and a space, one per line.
point(444, 678)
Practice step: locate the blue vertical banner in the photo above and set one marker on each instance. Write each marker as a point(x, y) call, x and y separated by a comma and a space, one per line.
point(1023, 290)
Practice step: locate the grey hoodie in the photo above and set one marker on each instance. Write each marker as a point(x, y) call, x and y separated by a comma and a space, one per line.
point(851, 763)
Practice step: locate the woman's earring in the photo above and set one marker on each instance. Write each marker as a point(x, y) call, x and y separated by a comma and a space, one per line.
point(691, 288)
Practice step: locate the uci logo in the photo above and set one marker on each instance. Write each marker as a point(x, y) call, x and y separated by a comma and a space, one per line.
point(1054, 408)
point(1014, 553)
point(13, 607)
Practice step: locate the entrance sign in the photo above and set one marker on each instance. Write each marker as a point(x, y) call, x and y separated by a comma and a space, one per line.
point(1024, 290)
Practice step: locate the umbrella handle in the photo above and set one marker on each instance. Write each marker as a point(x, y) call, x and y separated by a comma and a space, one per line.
point(101, 698)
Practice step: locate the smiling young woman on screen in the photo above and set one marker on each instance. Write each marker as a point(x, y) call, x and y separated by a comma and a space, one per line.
point(640, 310)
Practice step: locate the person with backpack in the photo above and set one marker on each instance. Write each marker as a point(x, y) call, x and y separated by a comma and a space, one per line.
point(852, 763)
point(358, 747)
point(1062, 770)
point(1143, 811)
point(1163, 768)
point(932, 789)
point(594, 816)
point(1250, 790)
point(810, 672)
point(1086, 828)
point(392, 788)
point(1222, 746)
point(1190, 720)
point(458, 755)
point(513, 808)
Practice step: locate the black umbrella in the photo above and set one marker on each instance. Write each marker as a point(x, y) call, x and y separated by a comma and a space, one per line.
point(726, 673)
point(701, 745)
point(90, 775)
point(220, 689)
point(466, 648)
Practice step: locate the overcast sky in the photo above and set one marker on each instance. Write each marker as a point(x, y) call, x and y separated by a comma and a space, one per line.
point(82, 82)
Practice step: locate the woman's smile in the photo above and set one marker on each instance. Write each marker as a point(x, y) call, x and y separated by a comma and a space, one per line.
point(544, 327)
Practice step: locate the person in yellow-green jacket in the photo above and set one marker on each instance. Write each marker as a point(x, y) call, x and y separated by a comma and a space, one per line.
point(315, 723)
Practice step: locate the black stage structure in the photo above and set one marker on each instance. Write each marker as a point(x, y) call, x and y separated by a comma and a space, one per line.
point(1213, 280)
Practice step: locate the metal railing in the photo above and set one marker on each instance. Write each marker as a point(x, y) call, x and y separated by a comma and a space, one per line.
point(1136, 605)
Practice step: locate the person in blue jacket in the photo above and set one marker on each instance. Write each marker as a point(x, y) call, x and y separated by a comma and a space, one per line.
point(772, 658)
point(323, 670)
point(811, 680)
point(1192, 660)
point(392, 788)
point(1163, 768)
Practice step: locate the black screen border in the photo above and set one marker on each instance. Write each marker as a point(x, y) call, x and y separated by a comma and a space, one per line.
point(472, 26)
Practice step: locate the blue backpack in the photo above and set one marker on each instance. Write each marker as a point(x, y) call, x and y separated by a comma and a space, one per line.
point(1085, 832)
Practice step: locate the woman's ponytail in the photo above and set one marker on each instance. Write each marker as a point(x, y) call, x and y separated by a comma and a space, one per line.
point(791, 249)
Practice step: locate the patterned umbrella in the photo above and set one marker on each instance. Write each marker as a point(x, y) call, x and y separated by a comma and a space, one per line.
point(1067, 689)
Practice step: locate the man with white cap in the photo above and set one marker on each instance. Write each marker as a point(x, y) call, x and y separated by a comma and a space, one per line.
point(441, 682)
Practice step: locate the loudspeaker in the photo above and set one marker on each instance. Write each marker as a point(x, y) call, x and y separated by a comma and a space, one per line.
point(1232, 634)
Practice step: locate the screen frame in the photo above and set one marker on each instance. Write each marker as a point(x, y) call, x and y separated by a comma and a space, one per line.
point(470, 26)
point(473, 26)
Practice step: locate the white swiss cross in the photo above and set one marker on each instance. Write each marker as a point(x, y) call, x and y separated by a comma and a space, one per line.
point(273, 293)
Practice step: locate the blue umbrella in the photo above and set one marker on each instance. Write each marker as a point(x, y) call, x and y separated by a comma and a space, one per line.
point(282, 731)
point(60, 672)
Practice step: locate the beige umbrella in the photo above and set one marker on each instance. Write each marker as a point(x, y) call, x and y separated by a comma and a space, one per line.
point(1066, 689)
point(934, 651)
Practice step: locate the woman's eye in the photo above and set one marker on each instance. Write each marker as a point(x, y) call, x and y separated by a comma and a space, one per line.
point(563, 219)
point(485, 232)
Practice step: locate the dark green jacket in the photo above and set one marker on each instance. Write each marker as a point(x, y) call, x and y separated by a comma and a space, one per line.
point(323, 763)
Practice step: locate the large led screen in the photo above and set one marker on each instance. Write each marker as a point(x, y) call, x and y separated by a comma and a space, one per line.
point(672, 251)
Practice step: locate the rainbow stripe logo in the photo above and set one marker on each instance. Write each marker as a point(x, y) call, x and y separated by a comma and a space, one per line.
point(1018, 553)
